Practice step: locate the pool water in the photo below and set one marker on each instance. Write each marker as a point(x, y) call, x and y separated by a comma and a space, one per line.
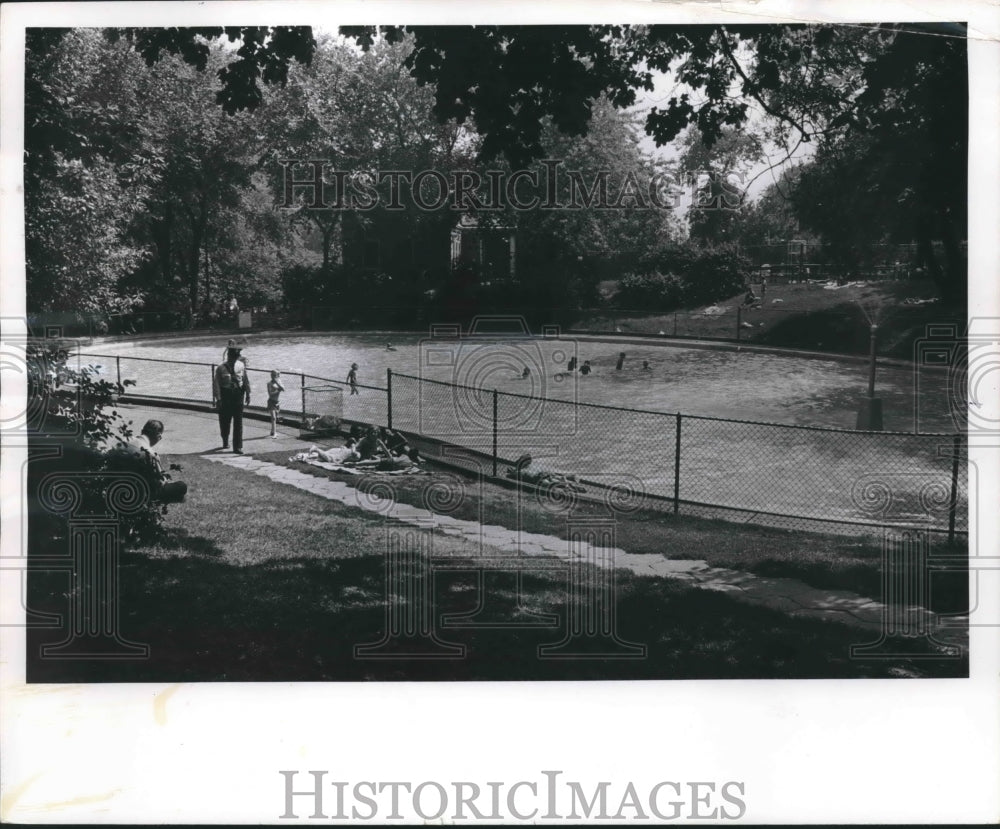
point(850, 476)
point(726, 384)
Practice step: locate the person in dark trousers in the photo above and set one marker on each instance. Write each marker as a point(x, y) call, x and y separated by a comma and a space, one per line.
point(230, 393)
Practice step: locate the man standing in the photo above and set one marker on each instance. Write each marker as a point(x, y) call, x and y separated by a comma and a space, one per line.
point(230, 393)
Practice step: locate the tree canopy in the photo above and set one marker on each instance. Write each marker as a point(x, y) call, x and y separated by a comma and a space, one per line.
point(152, 156)
point(902, 87)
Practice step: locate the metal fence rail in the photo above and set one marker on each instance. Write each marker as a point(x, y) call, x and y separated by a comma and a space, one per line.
point(811, 477)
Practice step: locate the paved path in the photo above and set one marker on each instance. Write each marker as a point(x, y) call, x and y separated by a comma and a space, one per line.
point(194, 433)
point(787, 595)
point(188, 432)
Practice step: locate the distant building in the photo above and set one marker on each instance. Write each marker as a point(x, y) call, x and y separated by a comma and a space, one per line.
point(490, 252)
point(393, 245)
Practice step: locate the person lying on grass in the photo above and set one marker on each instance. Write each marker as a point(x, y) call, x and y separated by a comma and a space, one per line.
point(529, 472)
point(397, 463)
point(346, 454)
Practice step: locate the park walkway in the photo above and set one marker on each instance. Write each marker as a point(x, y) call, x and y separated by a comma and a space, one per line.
point(197, 433)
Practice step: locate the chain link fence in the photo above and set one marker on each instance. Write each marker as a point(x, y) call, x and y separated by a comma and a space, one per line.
point(807, 477)
point(797, 477)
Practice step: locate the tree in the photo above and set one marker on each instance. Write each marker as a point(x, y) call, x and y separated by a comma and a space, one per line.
point(813, 83)
point(719, 171)
point(762, 227)
point(563, 253)
point(264, 53)
point(361, 114)
point(205, 160)
point(83, 190)
point(111, 180)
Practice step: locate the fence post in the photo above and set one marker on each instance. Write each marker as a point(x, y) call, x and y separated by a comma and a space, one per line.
point(118, 369)
point(388, 397)
point(739, 321)
point(302, 379)
point(677, 465)
point(675, 323)
point(211, 373)
point(495, 430)
point(953, 503)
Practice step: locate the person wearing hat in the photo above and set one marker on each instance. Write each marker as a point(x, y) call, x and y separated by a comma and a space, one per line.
point(235, 344)
point(230, 393)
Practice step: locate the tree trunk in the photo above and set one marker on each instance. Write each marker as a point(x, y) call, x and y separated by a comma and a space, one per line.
point(161, 232)
point(197, 234)
point(925, 255)
point(957, 275)
point(327, 242)
point(328, 229)
point(208, 280)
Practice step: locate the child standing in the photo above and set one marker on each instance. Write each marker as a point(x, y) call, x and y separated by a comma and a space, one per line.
point(274, 390)
point(352, 378)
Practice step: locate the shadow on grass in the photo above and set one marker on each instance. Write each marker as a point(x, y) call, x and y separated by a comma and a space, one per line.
point(300, 620)
point(843, 328)
point(840, 328)
point(822, 561)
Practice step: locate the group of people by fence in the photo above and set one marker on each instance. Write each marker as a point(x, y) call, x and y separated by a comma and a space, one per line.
point(372, 449)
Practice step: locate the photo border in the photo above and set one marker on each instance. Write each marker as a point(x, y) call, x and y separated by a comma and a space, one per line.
point(807, 750)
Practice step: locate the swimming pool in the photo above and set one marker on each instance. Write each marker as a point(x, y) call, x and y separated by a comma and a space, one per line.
point(740, 385)
point(787, 461)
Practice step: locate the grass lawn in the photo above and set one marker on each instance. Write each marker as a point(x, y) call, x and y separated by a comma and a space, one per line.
point(258, 581)
point(833, 562)
point(808, 316)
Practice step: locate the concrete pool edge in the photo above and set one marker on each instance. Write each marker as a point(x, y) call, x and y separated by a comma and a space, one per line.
point(656, 341)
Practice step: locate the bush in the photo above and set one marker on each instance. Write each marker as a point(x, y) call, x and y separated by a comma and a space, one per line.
point(715, 274)
point(73, 426)
point(704, 275)
point(650, 291)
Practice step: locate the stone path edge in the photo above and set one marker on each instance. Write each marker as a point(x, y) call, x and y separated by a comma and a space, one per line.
point(784, 595)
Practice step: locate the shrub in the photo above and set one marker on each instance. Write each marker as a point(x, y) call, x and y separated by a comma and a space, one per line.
point(704, 275)
point(715, 274)
point(653, 291)
point(73, 426)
